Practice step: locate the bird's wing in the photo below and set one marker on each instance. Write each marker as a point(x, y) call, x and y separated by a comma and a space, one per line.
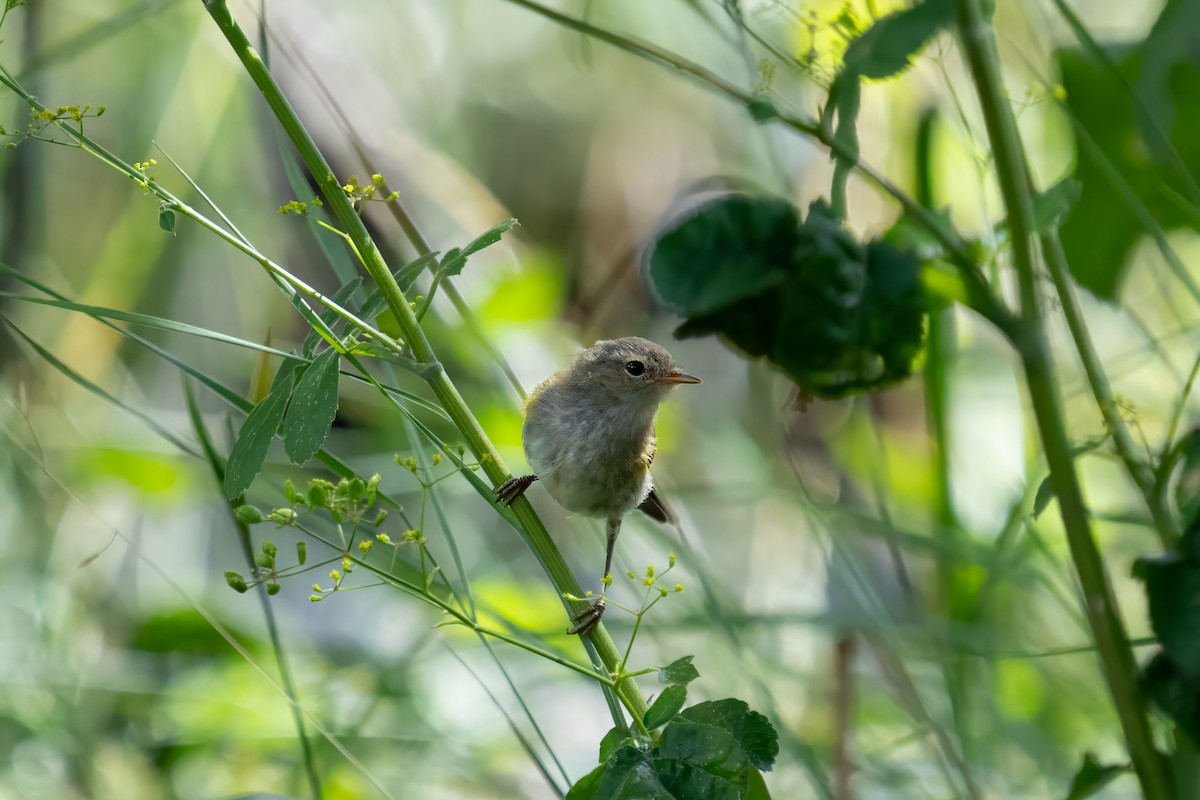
point(651, 448)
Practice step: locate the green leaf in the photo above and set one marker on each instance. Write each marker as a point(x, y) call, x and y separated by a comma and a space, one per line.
point(313, 407)
point(1045, 493)
point(665, 707)
point(888, 47)
point(1053, 204)
point(615, 739)
point(762, 110)
point(250, 450)
point(344, 297)
point(724, 252)
point(1173, 591)
point(1176, 694)
point(375, 304)
point(1187, 485)
point(679, 671)
point(456, 259)
point(1094, 776)
point(301, 553)
point(627, 775)
point(166, 219)
point(753, 732)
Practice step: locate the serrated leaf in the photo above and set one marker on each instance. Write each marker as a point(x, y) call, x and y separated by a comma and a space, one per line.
point(627, 775)
point(313, 407)
point(455, 260)
point(615, 739)
point(1094, 776)
point(665, 707)
point(250, 450)
point(680, 671)
point(753, 732)
point(724, 252)
point(888, 47)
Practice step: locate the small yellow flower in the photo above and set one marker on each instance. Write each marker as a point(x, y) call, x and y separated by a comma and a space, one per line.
point(364, 545)
point(335, 575)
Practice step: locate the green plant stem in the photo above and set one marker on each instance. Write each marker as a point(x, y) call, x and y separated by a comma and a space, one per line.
point(1138, 468)
point(534, 531)
point(979, 47)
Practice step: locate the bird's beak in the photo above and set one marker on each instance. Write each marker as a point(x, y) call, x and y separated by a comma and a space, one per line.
point(675, 376)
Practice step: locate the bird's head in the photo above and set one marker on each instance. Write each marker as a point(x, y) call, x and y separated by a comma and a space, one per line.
point(629, 369)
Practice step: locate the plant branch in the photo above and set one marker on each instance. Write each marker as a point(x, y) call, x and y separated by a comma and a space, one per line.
point(533, 530)
point(979, 47)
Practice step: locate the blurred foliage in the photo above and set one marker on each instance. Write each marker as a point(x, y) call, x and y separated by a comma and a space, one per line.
point(930, 654)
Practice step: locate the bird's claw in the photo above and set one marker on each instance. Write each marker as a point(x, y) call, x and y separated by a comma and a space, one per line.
point(587, 619)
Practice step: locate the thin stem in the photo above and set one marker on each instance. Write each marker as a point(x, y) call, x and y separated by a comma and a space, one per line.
point(978, 44)
point(1138, 468)
point(533, 530)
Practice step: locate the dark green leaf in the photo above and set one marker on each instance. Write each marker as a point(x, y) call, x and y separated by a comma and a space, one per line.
point(166, 219)
point(753, 732)
point(455, 260)
point(1174, 692)
point(1129, 153)
point(665, 707)
point(628, 775)
point(313, 407)
point(762, 110)
point(1094, 776)
point(1045, 493)
point(615, 739)
point(344, 297)
point(1173, 591)
point(888, 47)
point(376, 305)
point(250, 450)
point(679, 671)
point(724, 252)
point(1187, 485)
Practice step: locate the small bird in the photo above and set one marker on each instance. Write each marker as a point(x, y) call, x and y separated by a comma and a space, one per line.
point(589, 436)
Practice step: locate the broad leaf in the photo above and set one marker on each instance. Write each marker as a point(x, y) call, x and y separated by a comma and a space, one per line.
point(679, 671)
point(888, 47)
point(626, 775)
point(665, 707)
point(1173, 591)
point(313, 407)
point(250, 450)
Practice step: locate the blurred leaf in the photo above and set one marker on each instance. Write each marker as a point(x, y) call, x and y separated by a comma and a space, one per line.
point(1050, 206)
point(665, 707)
point(344, 297)
point(153, 474)
point(375, 304)
point(725, 251)
point(1177, 695)
point(456, 259)
point(313, 407)
point(1187, 487)
point(888, 47)
point(1094, 776)
point(837, 316)
point(680, 671)
point(1045, 493)
point(166, 219)
point(1100, 232)
point(250, 450)
point(185, 633)
point(1173, 591)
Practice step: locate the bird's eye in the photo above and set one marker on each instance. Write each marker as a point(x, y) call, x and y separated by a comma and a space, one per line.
point(635, 367)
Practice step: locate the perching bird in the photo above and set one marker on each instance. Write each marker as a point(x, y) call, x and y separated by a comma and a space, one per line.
point(589, 436)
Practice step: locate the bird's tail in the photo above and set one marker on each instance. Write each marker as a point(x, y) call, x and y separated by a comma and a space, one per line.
point(657, 509)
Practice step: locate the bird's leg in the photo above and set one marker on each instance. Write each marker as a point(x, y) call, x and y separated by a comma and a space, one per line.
point(510, 490)
point(588, 618)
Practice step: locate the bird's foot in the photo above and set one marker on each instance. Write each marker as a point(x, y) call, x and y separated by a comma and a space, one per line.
point(588, 619)
point(508, 492)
